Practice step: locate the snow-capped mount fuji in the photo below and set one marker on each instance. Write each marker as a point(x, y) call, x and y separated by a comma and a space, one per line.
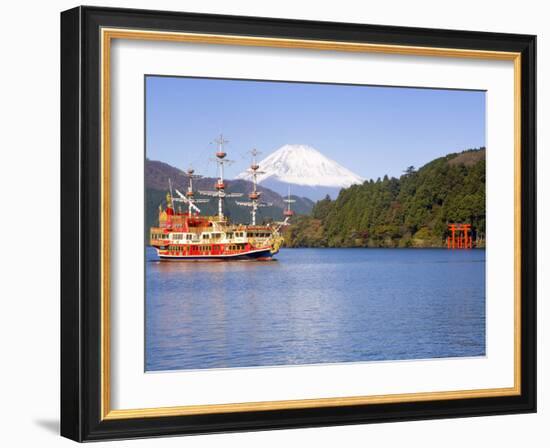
point(308, 172)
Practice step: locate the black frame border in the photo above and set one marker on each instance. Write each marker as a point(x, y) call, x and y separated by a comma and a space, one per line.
point(81, 223)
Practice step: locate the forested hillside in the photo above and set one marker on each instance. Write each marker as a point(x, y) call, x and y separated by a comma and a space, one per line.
point(410, 211)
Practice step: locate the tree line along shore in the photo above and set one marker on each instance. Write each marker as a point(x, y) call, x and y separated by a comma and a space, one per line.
point(410, 211)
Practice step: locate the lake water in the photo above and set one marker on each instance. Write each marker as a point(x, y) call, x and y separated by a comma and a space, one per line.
point(315, 306)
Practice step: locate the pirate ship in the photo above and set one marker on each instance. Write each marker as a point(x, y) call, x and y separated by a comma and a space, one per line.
point(188, 235)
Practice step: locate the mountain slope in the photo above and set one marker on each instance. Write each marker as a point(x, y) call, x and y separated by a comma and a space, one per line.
point(157, 175)
point(304, 169)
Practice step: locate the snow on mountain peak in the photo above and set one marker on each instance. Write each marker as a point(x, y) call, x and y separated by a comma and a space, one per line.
point(303, 165)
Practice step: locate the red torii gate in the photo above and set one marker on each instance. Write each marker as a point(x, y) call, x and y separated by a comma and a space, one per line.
point(461, 237)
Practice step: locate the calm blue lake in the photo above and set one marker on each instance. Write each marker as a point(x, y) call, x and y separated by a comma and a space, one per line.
point(315, 306)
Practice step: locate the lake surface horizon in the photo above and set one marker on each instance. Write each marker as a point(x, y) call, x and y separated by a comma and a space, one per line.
point(315, 306)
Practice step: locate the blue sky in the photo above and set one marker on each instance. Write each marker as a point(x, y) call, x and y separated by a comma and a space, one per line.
point(370, 130)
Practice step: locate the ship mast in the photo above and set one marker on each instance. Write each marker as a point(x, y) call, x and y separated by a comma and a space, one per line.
point(288, 213)
point(254, 196)
point(221, 161)
point(189, 197)
point(190, 173)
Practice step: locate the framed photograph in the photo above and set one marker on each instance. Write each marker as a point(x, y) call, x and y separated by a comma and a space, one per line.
point(273, 223)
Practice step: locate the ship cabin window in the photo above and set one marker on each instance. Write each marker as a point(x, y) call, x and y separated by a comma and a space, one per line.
point(205, 236)
point(229, 235)
point(188, 237)
point(216, 236)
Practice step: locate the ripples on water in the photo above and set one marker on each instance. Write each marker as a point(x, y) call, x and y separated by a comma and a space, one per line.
point(313, 306)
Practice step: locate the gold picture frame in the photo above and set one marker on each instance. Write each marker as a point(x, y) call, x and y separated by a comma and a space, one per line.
point(108, 30)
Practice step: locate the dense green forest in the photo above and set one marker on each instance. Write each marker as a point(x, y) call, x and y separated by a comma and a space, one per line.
point(410, 211)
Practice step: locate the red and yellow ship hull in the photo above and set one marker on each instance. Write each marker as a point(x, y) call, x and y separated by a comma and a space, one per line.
point(220, 252)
